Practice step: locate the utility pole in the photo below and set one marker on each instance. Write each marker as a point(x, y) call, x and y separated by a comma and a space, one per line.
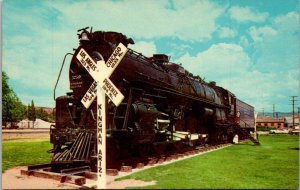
point(273, 110)
point(293, 105)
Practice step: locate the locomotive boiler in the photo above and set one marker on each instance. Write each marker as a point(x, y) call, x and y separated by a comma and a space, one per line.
point(165, 107)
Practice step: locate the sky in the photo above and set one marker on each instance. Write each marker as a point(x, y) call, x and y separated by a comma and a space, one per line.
point(250, 47)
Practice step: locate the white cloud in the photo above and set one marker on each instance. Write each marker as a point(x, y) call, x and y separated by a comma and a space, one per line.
point(33, 57)
point(231, 67)
point(192, 20)
point(261, 89)
point(244, 41)
point(259, 33)
point(277, 44)
point(246, 14)
point(226, 32)
point(146, 48)
point(177, 50)
point(222, 60)
point(288, 22)
point(37, 63)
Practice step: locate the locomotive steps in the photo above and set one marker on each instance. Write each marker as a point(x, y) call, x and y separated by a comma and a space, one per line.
point(83, 177)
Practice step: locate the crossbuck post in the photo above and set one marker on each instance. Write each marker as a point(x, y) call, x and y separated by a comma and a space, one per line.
point(101, 138)
point(101, 87)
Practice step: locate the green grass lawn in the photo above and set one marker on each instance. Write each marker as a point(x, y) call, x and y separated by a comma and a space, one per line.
point(274, 164)
point(22, 152)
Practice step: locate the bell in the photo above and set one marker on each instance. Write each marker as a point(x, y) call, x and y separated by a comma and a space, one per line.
point(84, 36)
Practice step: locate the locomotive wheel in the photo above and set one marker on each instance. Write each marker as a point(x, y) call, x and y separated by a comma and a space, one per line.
point(223, 137)
point(159, 148)
point(145, 149)
point(178, 145)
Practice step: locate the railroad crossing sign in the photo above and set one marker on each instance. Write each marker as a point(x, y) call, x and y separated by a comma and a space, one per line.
point(102, 86)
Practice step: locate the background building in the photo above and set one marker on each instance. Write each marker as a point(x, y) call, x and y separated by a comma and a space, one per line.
point(289, 121)
point(267, 121)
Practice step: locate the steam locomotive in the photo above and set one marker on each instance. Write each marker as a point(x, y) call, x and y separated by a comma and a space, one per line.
point(165, 107)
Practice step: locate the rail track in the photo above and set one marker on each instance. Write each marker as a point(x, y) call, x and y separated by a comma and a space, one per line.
point(8, 134)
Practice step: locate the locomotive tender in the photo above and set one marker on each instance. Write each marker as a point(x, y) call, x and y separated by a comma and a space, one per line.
point(165, 107)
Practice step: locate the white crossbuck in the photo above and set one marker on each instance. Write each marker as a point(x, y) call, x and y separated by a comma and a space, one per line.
point(102, 86)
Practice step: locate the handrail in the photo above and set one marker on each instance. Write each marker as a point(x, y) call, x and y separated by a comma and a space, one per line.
point(245, 123)
point(60, 73)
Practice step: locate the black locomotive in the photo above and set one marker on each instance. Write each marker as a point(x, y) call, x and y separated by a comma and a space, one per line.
point(165, 107)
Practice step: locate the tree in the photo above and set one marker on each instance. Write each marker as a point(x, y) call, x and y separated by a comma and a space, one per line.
point(40, 113)
point(12, 108)
point(32, 112)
